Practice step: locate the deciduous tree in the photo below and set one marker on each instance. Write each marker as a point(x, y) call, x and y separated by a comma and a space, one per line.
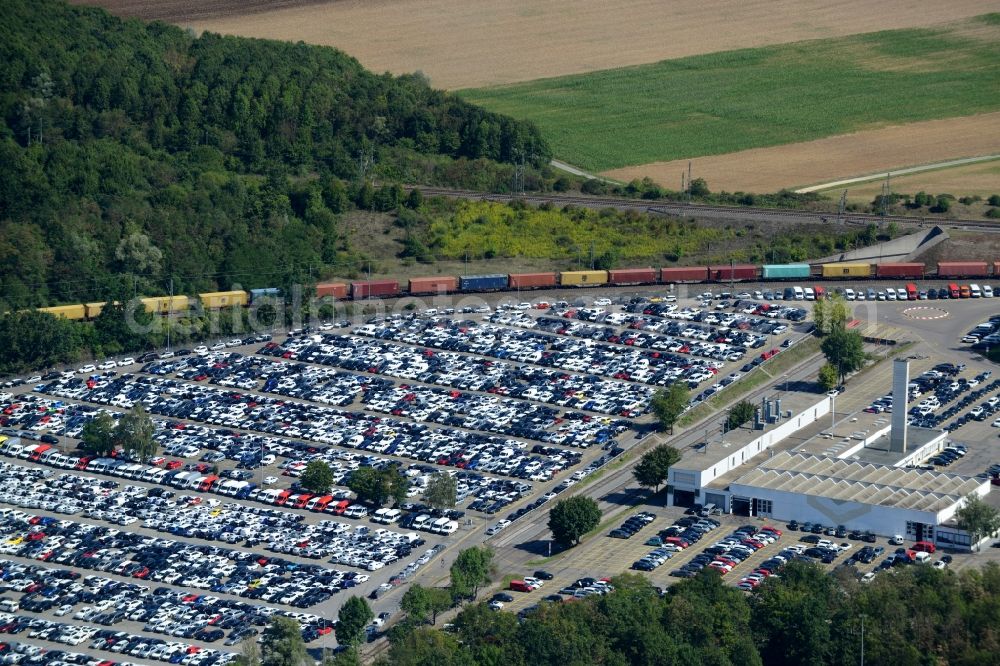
point(668, 404)
point(416, 603)
point(317, 477)
point(571, 518)
point(654, 466)
point(739, 414)
point(828, 376)
point(441, 490)
point(844, 350)
point(282, 644)
point(99, 435)
point(378, 486)
point(352, 619)
point(134, 433)
point(470, 570)
point(978, 518)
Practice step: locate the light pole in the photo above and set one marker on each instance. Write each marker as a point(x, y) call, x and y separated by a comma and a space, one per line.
point(833, 410)
point(862, 640)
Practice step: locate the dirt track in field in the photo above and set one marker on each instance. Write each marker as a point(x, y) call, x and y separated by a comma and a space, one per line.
point(981, 179)
point(843, 156)
point(471, 43)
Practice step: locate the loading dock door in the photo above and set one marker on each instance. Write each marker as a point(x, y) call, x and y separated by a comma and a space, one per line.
point(741, 506)
point(683, 497)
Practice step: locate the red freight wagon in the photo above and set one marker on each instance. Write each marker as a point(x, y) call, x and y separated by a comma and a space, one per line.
point(690, 274)
point(914, 270)
point(433, 285)
point(963, 269)
point(336, 289)
point(632, 276)
point(374, 288)
point(732, 272)
point(532, 280)
point(996, 268)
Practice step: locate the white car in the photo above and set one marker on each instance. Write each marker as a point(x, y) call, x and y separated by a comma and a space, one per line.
point(496, 528)
point(87, 368)
point(201, 349)
point(107, 365)
point(602, 302)
point(218, 346)
point(496, 605)
point(896, 540)
point(128, 360)
point(270, 480)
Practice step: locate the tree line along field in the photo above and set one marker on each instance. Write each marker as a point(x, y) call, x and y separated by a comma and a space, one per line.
point(736, 100)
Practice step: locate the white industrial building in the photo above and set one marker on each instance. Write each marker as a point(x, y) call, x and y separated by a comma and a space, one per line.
point(860, 495)
point(792, 465)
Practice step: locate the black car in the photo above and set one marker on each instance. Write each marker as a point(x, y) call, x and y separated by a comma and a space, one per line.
point(543, 575)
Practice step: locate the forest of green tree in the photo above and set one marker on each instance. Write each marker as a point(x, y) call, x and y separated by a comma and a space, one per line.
point(141, 150)
point(911, 617)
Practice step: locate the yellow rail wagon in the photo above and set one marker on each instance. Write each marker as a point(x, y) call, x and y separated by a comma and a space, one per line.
point(844, 270)
point(168, 304)
point(222, 299)
point(582, 278)
point(67, 311)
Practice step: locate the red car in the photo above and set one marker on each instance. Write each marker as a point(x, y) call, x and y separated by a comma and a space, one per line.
point(173, 464)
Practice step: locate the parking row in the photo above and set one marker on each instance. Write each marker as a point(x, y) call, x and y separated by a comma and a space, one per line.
point(326, 425)
point(421, 403)
point(31, 654)
point(464, 371)
point(490, 494)
point(180, 562)
point(104, 601)
point(118, 642)
point(553, 352)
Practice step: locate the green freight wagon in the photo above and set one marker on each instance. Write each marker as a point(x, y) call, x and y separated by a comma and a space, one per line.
point(785, 271)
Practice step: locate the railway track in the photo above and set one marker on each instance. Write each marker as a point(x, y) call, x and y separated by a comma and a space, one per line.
point(710, 211)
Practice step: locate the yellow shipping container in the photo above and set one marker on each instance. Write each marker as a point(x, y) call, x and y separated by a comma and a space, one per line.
point(67, 311)
point(222, 299)
point(166, 304)
point(94, 309)
point(581, 278)
point(846, 270)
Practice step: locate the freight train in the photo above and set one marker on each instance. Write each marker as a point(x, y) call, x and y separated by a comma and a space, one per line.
point(465, 284)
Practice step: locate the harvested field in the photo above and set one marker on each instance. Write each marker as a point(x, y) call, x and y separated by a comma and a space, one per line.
point(471, 43)
point(753, 98)
point(966, 180)
point(856, 154)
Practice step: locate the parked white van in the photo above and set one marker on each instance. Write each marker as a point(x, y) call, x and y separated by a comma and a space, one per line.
point(799, 294)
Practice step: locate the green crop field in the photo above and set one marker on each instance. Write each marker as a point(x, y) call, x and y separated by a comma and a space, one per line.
point(734, 100)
